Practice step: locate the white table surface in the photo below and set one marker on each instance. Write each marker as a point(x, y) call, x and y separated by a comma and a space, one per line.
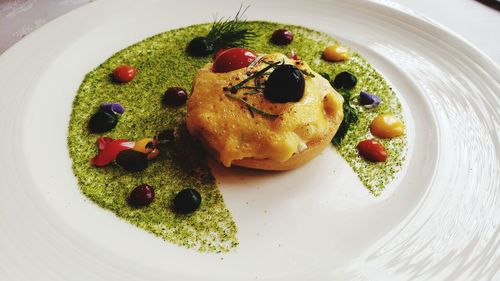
point(475, 22)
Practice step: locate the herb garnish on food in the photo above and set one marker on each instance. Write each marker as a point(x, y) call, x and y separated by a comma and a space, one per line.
point(255, 76)
point(224, 33)
point(253, 89)
point(252, 108)
point(350, 114)
point(350, 117)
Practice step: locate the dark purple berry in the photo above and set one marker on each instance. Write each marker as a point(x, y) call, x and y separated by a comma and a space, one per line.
point(174, 96)
point(114, 108)
point(132, 161)
point(142, 195)
point(368, 100)
point(282, 37)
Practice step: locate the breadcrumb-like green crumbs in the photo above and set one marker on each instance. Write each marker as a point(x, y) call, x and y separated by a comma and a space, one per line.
point(161, 62)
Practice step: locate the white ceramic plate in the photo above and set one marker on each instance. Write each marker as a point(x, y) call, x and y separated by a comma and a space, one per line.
point(439, 220)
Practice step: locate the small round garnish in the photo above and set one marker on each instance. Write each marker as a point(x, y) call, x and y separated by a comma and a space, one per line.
point(285, 84)
point(386, 126)
point(200, 46)
point(124, 73)
point(174, 96)
point(345, 80)
point(132, 161)
point(102, 121)
point(187, 201)
point(335, 53)
point(232, 59)
point(372, 150)
point(141, 196)
point(282, 37)
point(368, 100)
point(145, 145)
point(115, 108)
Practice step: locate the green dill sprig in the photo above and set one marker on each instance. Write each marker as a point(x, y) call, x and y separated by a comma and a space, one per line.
point(256, 75)
point(231, 33)
point(350, 117)
point(350, 113)
point(253, 89)
point(307, 73)
point(224, 33)
point(252, 108)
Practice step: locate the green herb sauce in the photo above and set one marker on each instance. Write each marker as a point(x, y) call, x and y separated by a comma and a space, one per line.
point(162, 62)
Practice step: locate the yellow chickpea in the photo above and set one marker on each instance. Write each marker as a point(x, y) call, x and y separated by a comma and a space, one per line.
point(335, 53)
point(145, 145)
point(386, 126)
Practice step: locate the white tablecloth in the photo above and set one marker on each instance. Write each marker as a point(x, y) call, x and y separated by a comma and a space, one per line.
point(476, 22)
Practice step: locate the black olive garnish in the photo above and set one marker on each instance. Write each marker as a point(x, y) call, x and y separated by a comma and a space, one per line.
point(102, 121)
point(187, 201)
point(200, 46)
point(345, 80)
point(132, 161)
point(285, 84)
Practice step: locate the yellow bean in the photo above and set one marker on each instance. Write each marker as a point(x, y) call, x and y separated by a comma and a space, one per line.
point(145, 145)
point(386, 126)
point(335, 53)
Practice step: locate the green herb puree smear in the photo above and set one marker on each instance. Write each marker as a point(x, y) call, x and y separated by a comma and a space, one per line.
point(162, 62)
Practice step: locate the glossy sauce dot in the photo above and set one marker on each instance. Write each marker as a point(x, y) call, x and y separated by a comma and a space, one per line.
point(372, 150)
point(114, 108)
point(345, 80)
point(368, 100)
point(233, 59)
point(335, 53)
point(102, 121)
point(386, 126)
point(282, 37)
point(141, 196)
point(187, 201)
point(174, 96)
point(145, 145)
point(132, 161)
point(124, 73)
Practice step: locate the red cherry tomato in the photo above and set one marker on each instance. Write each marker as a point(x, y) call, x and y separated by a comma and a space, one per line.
point(108, 150)
point(232, 59)
point(124, 73)
point(102, 142)
point(220, 51)
point(372, 150)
